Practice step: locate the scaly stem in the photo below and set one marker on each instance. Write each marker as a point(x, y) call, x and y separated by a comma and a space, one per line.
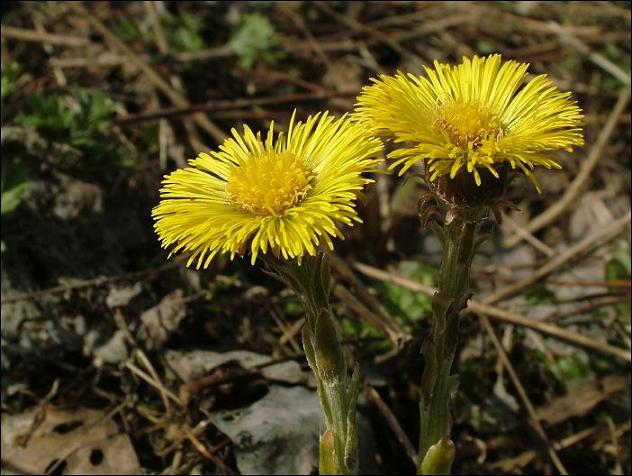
point(337, 392)
point(436, 450)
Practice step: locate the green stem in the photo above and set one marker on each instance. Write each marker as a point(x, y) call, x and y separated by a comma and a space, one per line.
point(337, 392)
point(437, 385)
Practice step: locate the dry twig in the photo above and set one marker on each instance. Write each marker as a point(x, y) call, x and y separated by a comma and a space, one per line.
point(502, 315)
point(585, 172)
point(523, 395)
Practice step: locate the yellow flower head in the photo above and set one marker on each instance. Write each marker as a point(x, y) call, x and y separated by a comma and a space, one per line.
point(474, 115)
point(286, 196)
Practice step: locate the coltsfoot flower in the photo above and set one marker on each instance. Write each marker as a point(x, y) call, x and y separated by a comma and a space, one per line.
point(479, 114)
point(286, 195)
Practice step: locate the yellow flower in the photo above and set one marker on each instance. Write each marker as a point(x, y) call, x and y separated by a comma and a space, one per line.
point(286, 196)
point(474, 115)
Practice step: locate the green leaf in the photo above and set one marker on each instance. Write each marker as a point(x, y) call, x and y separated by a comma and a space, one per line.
point(408, 306)
point(11, 198)
point(254, 38)
point(127, 30)
point(484, 48)
point(9, 75)
point(572, 367)
point(539, 295)
point(83, 122)
point(13, 184)
point(183, 33)
point(48, 114)
point(618, 269)
point(96, 112)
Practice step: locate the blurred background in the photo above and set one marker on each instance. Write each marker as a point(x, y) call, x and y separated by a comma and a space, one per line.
point(117, 360)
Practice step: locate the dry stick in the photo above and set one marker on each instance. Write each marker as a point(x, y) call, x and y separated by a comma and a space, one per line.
point(58, 74)
point(224, 51)
point(176, 98)
point(523, 394)
point(618, 283)
point(396, 334)
point(372, 32)
point(532, 240)
point(392, 422)
point(527, 456)
point(559, 207)
point(549, 329)
point(576, 251)
point(230, 105)
point(313, 43)
point(285, 330)
point(41, 37)
point(336, 45)
point(159, 35)
point(598, 59)
point(502, 315)
point(174, 79)
point(361, 310)
point(294, 329)
point(140, 355)
point(156, 384)
point(96, 281)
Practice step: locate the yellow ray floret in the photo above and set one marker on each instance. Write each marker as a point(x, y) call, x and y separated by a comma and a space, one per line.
point(479, 114)
point(286, 195)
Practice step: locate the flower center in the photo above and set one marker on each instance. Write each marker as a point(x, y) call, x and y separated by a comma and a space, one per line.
point(270, 184)
point(467, 124)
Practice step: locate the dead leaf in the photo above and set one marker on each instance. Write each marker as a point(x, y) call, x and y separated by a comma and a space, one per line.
point(79, 441)
point(161, 320)
point(582, 396)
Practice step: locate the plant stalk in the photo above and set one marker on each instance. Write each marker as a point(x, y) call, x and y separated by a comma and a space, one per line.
point(458, 237)
point(337, 392)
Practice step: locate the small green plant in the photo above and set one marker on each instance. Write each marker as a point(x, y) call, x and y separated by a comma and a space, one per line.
point(573, 366)
point(539, 295)
point(484, 48)
point(127, 30)
point(618, 269)
point(183, 33)
point(9, 75)
point(13, 183)
point(83, 121)
point(254, 38)
point(408, 306)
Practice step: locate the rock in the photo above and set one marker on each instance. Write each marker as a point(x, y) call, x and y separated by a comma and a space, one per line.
point(278, 434)
point(190, 366)
point(114, 351)
point(120, 297)
point(161, 320)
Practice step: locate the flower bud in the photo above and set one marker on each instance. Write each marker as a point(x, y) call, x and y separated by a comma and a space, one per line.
point(438, 459)
point(327, 351)
point(463, 191)
point(327, 464)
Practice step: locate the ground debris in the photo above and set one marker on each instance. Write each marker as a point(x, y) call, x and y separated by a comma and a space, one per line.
point(52, 440)
point(581, 398)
